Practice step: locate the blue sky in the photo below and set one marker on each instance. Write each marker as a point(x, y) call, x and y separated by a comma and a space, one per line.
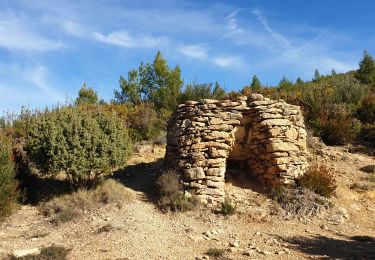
point(49, 48)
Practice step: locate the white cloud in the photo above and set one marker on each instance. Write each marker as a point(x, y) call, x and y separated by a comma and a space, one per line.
point(228, 61)
point(125, 39)
point(16, 35)
point(194, 51)
point(73, 28)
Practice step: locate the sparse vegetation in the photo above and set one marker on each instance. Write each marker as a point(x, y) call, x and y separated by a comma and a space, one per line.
point(68, 207)
point(171, 194)
point(299, 201)
point(8, 184)
point(216, 253)
point(228, 207)
point(318, 179)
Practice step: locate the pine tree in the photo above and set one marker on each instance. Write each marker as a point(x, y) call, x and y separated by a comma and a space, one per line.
point(317, 76)
point(299, 81)
point(255, 84)
point(333, 72)
point(286, 84)
point(366, 71)
point(86, 95)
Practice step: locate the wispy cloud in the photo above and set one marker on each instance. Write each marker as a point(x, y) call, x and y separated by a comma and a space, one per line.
point(263, 20)
point(228, 61)
point(16, 35)
point(127, 40)
point(73, 28)
point(194, 51)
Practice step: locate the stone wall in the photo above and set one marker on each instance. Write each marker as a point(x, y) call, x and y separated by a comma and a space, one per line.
point(268, 135)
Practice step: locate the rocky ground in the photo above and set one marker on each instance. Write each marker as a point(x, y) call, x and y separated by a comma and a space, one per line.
point(259, 230)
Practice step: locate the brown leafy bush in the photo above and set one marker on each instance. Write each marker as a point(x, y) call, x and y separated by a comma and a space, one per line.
point(367, 110)
point(171, 194)
point(340, 126)
point(318, 179)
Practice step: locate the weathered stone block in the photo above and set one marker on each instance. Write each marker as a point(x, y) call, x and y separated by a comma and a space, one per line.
point(194, 173)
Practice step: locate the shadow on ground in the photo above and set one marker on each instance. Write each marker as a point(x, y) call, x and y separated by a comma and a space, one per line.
point(36, 189)
point(142, 178)
point(356, 247)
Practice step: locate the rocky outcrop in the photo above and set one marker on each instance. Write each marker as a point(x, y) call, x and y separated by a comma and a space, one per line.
point(268, 135)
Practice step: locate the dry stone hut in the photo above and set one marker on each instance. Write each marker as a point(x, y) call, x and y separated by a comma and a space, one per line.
point(267, 136)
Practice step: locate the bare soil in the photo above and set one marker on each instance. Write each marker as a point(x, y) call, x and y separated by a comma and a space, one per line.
point(259, 230)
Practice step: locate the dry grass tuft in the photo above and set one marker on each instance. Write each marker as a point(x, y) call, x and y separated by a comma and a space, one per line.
point(171, 194)
point(68, 207)
point(112, 191)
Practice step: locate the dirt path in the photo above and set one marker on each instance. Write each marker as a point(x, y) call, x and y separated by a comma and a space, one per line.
point(141, 231)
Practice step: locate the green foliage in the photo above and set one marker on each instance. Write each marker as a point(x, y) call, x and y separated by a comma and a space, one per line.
point(366, 71)
point(144, 121)
point(86, 96)
point(171, 195)
point(285, 84)
point(218, 92)
point(317, 76)
point(228, 207)
point(255, 84)
point(196, 92)
point(319, 179)
point(84, 142)
point(155, 83)
point(8, 184)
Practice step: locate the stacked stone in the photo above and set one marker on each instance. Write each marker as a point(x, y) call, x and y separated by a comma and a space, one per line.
point(277, 141)
point(268, 135)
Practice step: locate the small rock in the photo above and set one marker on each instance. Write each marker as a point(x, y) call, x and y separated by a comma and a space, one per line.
point(325, 227)
point(257, 233)
point(234, 244)
point(265, 252)
point(26, 252)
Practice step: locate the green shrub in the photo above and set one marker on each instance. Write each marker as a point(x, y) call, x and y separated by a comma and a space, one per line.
point(319, 179)
point(8, 184)
point(228, 207)
point(85, 144)
point(171, 194)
